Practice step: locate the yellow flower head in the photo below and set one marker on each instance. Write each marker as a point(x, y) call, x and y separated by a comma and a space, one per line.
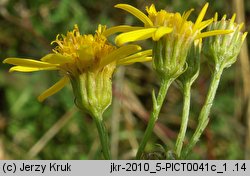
point(160, 23)
point(172, 33)
point(87, 61)
point(82, 52)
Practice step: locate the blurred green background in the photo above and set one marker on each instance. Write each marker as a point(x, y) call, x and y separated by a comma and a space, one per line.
point(55, 129)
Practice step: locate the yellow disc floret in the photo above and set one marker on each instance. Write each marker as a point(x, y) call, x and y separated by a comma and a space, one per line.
point(85, 51)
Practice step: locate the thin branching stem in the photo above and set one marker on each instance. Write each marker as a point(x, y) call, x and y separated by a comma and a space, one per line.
point(204, 113)
point(184, 118)
point(157, 104)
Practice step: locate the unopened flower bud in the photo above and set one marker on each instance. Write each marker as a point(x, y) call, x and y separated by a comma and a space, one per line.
point(222, 50)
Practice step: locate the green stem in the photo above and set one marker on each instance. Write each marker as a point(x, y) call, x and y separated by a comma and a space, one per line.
point(157, 104)
point(103, 135)
point(184, 118)
point(203, 116)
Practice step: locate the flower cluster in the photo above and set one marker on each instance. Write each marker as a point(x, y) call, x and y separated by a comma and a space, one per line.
point(172, 33)
point(88, 61)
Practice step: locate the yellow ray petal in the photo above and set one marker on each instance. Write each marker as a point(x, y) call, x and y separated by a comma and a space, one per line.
point(121, 28)
point(136, 12)
point(132, 36)
point(204, 24)
point(120, 53)
point(28, 63)
point(30, 69)
point(161, 31)
point(138, 57)
point(214, 32)
point(56, 59)
point(201, 16)
point(54, 89)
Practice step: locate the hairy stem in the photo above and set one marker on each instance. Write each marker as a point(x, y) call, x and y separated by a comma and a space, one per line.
point(103, 135)
point(203, 116)
point(157, 104)
point(184, 118)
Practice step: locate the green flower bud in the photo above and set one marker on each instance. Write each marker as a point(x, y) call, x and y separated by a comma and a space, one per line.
point(93, 91)
point(222, 50)
point(169, 56)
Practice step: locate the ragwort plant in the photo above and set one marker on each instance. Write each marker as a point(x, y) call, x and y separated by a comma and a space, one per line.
point(89, 61)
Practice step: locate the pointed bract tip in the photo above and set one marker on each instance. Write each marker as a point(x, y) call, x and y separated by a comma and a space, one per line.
point(224, 17)
point(244, 36)
point(215, 16)
point(233, 18)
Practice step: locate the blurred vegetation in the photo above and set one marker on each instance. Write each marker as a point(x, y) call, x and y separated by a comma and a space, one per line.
point(26, 29)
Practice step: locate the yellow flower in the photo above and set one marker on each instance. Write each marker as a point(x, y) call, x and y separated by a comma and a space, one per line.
point(87, 61)
point(172, 34)
point(159, 23)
